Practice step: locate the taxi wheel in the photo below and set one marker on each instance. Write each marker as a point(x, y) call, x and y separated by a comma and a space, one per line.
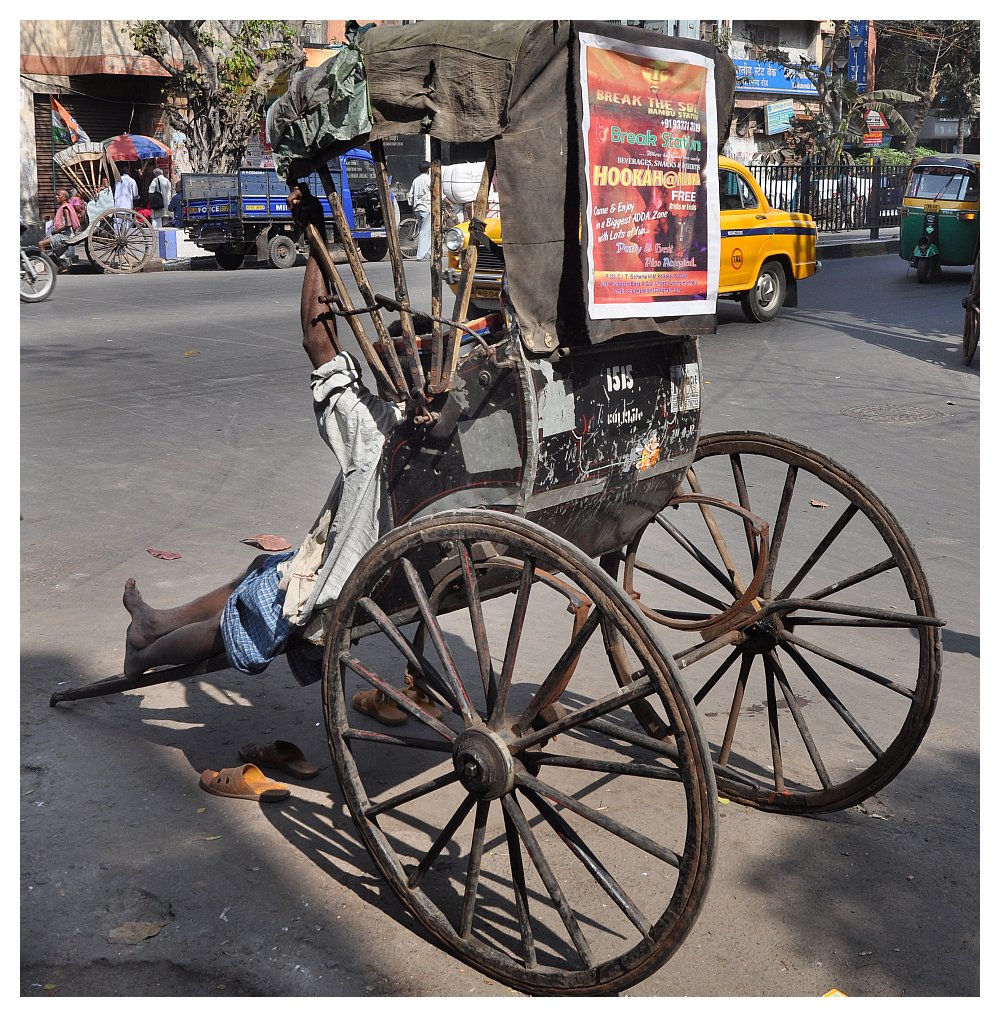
point(767, 297)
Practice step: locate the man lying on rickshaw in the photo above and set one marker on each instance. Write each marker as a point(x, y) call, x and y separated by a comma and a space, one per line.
point(253, 618)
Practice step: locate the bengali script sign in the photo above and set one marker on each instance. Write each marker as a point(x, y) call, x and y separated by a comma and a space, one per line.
point(652, 201)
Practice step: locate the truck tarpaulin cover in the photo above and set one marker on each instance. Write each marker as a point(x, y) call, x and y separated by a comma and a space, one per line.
point(517, 83)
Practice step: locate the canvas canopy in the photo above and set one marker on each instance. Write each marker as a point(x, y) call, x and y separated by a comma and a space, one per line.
point(515, 83)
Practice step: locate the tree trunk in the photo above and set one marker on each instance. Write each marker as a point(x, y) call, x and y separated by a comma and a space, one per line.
point(918, 123)
point(960, 148)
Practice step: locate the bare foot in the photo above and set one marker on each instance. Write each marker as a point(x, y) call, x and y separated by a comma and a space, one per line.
point(133, 666)
point(142, 630)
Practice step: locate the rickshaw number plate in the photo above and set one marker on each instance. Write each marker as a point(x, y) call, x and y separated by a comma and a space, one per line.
point(930, 207)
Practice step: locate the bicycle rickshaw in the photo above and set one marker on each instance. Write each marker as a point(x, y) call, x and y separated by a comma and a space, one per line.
point(550, 814)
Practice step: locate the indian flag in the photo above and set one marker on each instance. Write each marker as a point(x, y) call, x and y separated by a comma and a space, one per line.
point(65, 129)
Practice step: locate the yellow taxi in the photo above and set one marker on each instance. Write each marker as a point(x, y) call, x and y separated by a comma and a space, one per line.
point(764, 253)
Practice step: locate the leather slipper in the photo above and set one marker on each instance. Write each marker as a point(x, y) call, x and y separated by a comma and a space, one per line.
point(373, 703)
point(242, 782)
point(419, 698)
point(280, 755)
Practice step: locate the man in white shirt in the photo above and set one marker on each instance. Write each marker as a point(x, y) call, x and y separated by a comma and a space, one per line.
point(126, 190)
point(159, 197)
point(419, 198)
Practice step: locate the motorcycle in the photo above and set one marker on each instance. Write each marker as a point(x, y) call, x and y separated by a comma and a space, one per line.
point(38, 274)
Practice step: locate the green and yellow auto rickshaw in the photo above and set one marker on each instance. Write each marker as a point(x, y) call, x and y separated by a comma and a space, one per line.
point(939, 220)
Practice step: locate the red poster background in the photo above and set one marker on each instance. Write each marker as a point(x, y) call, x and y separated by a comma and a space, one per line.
point(647, 214)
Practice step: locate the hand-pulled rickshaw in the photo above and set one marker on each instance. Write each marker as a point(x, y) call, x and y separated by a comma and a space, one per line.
point(612, 618)
point(119, 241)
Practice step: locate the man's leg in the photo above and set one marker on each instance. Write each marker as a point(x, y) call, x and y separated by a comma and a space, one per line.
point(423, 235)
point(186, 645)
point(194, 624)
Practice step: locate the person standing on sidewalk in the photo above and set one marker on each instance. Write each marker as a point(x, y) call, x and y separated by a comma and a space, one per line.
point(159, 197)
point(419, 197)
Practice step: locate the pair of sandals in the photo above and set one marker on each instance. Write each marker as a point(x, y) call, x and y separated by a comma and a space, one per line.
point(249, 782)
point(377, 705)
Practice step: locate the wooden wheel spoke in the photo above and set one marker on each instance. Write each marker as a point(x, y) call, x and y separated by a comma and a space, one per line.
point(524, 831)
point(858, 577)
point(440, 644)
point(821, 548)
point(404, 741)
point(676, 584)
point(699, 556)
point(415, 659)
point(717, 676)
point(734, 710)
point(836, 658)
point(442, 839)
point(475, 865)
point(620, 830)
point(778, 530)
point(499, 706)
point(408, 796)
point(739, 478)
point(651, 770)
point(520, 891)
point(403, 702)
point(772, 664)
point(772, 728)
point(639, 689)
point(479, 632)
point(854, 614)
point(806, 668)
point(557, 678)
point(590, 861)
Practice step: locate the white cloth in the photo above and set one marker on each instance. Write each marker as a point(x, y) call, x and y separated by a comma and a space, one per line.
point(126, 192)
point(423, 236)
point(419, 197)
point(104, 201)
point(355, 424)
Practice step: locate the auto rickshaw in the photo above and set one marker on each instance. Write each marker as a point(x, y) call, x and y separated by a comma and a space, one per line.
point(939, 219)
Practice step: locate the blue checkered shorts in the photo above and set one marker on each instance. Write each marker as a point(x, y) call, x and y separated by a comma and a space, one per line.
point(253, 627)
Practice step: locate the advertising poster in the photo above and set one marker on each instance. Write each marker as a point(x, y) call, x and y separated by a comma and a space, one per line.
point(652, 202)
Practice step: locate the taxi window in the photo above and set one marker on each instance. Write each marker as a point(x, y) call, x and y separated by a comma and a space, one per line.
point(734, 192)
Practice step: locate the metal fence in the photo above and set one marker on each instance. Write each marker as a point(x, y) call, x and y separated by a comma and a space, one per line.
point(838, 197)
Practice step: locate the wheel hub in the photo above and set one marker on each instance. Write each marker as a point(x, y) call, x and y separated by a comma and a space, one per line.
point(761, 638)
point(483, 763)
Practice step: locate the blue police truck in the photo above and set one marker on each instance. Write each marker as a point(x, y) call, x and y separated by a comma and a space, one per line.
point(245, 214)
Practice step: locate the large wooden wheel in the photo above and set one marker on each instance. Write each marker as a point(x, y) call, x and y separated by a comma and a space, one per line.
point(809, 644)
point(120, 241)
point(532, 828)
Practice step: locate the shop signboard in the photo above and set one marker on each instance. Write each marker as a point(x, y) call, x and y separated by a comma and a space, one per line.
point(767, 76)
point(857, 61)
point(779, 115)
point(650, 137)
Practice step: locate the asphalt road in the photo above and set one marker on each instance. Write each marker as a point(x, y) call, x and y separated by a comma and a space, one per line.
point(170, 411)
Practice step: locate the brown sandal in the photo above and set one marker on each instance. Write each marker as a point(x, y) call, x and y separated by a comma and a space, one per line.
point(375, 704)
point(281, 755)
point(418, 697)
point(242, 782)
